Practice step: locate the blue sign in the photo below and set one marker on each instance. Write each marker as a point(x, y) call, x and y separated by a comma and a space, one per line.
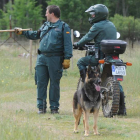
point(113, 68)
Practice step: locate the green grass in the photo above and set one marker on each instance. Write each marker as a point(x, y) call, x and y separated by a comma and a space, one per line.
point(18, 113)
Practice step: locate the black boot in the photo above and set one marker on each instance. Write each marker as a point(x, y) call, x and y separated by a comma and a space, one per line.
point(122, 108)
point(41, 111)
point(54, 111)
point(83, 75)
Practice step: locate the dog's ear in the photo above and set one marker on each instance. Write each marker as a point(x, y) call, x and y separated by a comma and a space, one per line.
point(98, 69)
point(97, 73)
point(88, 73)
point(89, 69)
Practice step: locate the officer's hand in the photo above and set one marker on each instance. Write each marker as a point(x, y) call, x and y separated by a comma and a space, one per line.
point(75, 45)
point(18, 30)
point(66, 63)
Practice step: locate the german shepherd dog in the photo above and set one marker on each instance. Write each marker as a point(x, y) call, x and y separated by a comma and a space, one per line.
point(88, 100)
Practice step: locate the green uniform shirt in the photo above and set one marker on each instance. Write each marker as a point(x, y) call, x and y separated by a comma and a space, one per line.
point(99, 31)
point(57, 40)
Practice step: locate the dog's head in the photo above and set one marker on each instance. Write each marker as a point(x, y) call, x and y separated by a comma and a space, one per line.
point(93, 76)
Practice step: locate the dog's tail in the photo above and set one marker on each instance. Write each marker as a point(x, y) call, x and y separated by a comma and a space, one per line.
point(75, 101)
point(78, 83)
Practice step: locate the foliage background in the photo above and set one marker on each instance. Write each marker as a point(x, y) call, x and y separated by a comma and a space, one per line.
point(31, 14)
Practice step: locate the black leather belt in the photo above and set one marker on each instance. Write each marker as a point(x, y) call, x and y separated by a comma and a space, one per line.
point(50, 54)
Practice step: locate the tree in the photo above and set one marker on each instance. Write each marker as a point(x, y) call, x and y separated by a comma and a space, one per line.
point(28, 16)
point(129, 27)
point(3, 23)
point(43, 6)
point(124, 7)
point(2, 3)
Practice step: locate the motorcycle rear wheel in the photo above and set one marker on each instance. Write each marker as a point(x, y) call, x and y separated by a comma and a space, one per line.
point(110, 102)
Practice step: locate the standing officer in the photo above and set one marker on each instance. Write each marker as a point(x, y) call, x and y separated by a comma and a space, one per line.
point(101, 29)
point(54, 55)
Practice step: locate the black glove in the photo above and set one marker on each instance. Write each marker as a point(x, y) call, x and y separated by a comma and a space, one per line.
point(81, 48)
point(75, 45)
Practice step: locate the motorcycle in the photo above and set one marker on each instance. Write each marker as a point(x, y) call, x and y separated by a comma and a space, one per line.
point(112, 70)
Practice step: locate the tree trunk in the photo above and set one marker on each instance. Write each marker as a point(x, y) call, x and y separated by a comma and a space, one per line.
point(124, 8)
point(117, 7)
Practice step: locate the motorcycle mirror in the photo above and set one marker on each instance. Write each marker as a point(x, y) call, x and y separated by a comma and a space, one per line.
point(118, 35)
point(76, 34)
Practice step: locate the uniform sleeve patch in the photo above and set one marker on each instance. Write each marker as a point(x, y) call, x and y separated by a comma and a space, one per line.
point(67, 32)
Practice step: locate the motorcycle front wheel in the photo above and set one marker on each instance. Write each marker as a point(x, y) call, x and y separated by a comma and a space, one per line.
point(110, 102)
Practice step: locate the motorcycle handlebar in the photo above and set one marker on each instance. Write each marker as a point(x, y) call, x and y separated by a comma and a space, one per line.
point(85, 47)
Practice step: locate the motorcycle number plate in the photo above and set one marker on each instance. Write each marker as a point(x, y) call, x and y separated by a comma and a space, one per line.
point(118, 70)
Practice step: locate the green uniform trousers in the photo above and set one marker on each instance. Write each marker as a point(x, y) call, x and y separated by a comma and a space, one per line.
point(48, 69)
point(87, 60)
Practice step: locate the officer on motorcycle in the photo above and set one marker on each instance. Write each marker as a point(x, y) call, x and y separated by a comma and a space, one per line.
point(101, 29)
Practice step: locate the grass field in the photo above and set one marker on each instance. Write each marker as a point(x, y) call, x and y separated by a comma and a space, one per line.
point(18, 113)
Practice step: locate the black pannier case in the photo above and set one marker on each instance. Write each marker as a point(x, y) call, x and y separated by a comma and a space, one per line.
point(113, 46)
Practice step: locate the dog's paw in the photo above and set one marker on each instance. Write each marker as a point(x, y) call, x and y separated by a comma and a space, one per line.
point(75, 131)
point(86, 135)
point(96, 133)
